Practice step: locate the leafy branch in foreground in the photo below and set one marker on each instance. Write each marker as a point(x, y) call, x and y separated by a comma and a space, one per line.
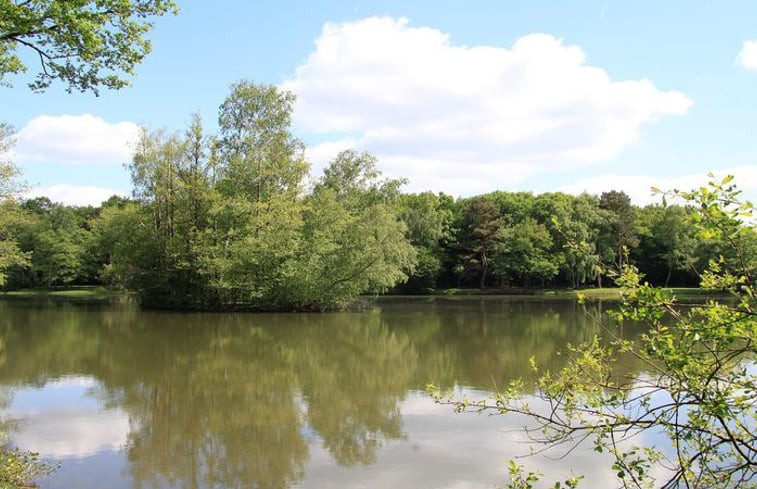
point(691, 412)
point(86, 44)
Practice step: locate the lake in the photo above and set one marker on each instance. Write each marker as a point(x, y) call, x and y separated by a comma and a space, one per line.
point(127, 398)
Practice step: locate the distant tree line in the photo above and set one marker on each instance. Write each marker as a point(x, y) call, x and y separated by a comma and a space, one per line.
point(521, 240)
point(230, 220)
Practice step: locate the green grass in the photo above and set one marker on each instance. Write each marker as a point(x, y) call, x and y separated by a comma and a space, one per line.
point(681, 293)
point(89, 292)
point(606, 293)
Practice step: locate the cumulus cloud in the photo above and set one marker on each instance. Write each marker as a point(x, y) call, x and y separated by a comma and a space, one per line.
point(320, 154)
point(70, 433)
point(748, 55)
point(466, 119)
point(60, 421)
point(78, 195)
point(638, 187)
point(75, 139)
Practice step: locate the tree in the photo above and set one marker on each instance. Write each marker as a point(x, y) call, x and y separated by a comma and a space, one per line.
point(481, 223)
point(60, 243)
point(574, 223)
point(428, 224)
point(677, 241)
point(86, 44)
point(524, 253)
point(353, 240)
point(260, 155)
point(225, 223)
point(10, 254)
point(622, 231)
point(699, 387)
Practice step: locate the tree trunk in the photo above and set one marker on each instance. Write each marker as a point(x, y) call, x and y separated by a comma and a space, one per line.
point(667, 278)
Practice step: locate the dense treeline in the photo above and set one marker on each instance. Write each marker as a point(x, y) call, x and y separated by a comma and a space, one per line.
point(230, 220)
point(506, 239)
point(225, 221)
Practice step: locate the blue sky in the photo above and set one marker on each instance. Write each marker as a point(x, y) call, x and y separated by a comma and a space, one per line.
point(460, 97)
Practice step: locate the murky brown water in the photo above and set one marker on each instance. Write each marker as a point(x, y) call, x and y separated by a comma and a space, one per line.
point(125, 398)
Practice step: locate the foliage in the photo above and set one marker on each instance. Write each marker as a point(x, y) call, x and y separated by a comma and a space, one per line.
point(8, 172)
point(10, 254)
point(206, 233)
point(524, 253)
point(223, 222)
point(699, 388)
point(481, 222)
point(260, 157)
point(622, 232)
point(353, 241)
point(84, 43)
point(668, 245)
point(226, 220)
point(18, 468)
point(520, 479)
point(429, 219)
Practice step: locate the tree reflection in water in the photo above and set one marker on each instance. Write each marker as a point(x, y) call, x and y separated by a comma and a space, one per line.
point(235, 400)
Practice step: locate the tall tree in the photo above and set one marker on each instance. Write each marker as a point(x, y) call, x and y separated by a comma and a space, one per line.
point(428, 221)
point(354, 241)
point(524, 253)
point(10, 254)
point(86, 44)
point(481, 223)
point(677, 240)
point(261, 156)
point(622, 224)
point(574, 224)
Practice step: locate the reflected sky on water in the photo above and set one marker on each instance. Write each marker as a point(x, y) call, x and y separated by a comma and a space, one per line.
point(126, 398)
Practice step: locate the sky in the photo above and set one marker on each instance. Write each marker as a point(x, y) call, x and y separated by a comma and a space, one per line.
point(457, 97)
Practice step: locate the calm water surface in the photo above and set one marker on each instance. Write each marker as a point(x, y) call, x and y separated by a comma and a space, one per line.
point(125, 398)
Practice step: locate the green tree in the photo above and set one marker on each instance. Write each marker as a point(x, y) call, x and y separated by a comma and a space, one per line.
point(524, 253)
point(698, 390)
point(60, 242)
point(428, 221)
point(131, 247)
point(574, 223)
point(224, 222)
point(480, 225)
point(354, 241)
point(85, 44)
point(10, 254)
point(261, 157)
point(171, 181)
point(620, 223)
point(677, 241)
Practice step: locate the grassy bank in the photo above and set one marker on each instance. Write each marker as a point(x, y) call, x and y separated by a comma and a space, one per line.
point(608, 293)
point(79, 292)
point(100, 293)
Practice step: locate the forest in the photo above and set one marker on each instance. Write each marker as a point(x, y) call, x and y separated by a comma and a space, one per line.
point(233, 220)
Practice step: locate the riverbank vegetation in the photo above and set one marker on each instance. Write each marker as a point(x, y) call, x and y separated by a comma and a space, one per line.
point(688, 420)
point(232, 220)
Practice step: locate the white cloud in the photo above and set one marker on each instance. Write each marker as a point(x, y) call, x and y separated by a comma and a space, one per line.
point(467, 119)
point(638, 187)
point(75, 139)
point(320, 155)
point(61, 420)
point(748, 55)
point(79, 195)
point(70, 433)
